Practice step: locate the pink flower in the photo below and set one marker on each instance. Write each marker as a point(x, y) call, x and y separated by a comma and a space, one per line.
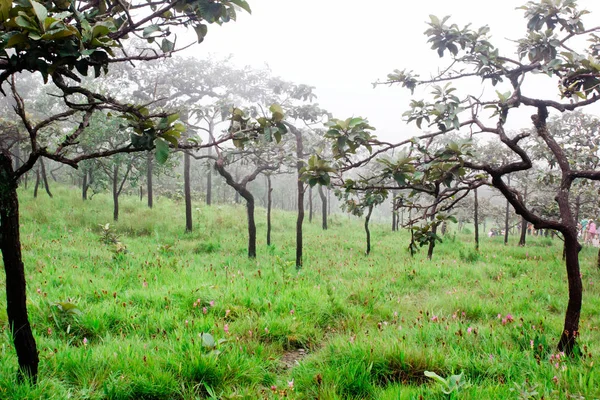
point(186, 322)
point(469, 330)
point(266, 330)
point(226, 328)
point(145, 284)
point(509, 318)
point(211, 303)
point(49, 331)
point(555, 379)
point(291, 384)
point(85, 341)
point(273, 388)
point(531, 343)
point(434, 318)
point(204, 310)
point(227, 313)
point(292, 311)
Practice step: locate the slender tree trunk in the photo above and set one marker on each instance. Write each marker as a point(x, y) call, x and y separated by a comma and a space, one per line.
point(598, 260)
point(328, 202)
point(571, 326)
point(323, 208)
point(251, 224)
point(394, 214)
point(310, 204)
point(300, 220)
point(209, 182)
point(37, 182)
point(269, 206)
point(84, 186)
point(476, 218)
point(115, 192)
point(506, 215)
point(431, 243)
point(245, 193)
point(367, 219)
point(16, 300)
point(149, 183)
point(523, 238)
point(187, 191)
point(45, 177)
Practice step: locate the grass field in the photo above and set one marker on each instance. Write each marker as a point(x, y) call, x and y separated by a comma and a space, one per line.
point(169, 315)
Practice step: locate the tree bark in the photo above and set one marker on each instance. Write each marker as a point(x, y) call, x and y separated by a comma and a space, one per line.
point(323, 208)
point(187, 189)
point(209, 182)
point(245, 193)
point(523, 237)
point(37, 182)
point(269, 206)
point(571, 327)
point(115, 192)
point(84, 186)
point(45, 177)
point(394, 215)
point(149, 183)
point(16, 299)
point(476, 218)
point(310, 204)
point(300, 219)
point(367, 219)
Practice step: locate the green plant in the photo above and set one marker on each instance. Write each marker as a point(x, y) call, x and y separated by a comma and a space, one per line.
point(453, 383)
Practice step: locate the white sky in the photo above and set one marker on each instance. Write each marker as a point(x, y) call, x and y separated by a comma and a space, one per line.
point(342, 46)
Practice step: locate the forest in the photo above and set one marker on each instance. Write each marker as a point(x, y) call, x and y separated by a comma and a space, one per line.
point(175, 226)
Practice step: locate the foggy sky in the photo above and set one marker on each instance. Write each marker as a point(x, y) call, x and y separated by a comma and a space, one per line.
point(343, 46)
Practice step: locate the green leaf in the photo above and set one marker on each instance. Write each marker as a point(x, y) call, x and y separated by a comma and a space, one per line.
point(40, 11)
point(243, 4)
point(208, 340)
point(167, 46)
point(150, 29)
point(5, 7)
point(162, 151)
point(201, 31)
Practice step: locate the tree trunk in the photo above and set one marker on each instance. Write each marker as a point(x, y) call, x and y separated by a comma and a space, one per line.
point(394, 215)
point(506, 223)
point(37, 182)
point(245, 193)
point(476, 218)
point(571, 326)
point(367, 219)
point(598, 260)
point(523, 238)
point(269, 206)
point(45, 177)
point(431, 243)
point(149, 184)
point(209, 183)
point(187, 191)
point(115, 192)
point(310, 204)
point(300, 220)
point(84, 186)
point(323, 208)
point(16, 300)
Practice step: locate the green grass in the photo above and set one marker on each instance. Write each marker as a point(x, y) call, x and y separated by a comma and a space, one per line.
point(368, 326)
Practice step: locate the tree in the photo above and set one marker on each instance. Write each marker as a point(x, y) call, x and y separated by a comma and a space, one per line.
point(547, 48)
point(62, 45)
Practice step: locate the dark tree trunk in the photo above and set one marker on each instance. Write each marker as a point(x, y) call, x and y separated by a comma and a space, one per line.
point(187, 191)
point(523, 238)
point(431, 243)
point(209, 183)
point(84, 186)
point(394, 214)
point(328, 202)
point(598, 260)
point(367, 219)
point(16, 300)
point(141, 193)
point(269, 206)
point(310, 204)
point(571, 326)
point(476, 218)
point(37, 182)
point(149, 184)
point(115, 192)
point(45, 177)
point(323, 208)
point(577, 206)
point(241, 190)
point(300, 220)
